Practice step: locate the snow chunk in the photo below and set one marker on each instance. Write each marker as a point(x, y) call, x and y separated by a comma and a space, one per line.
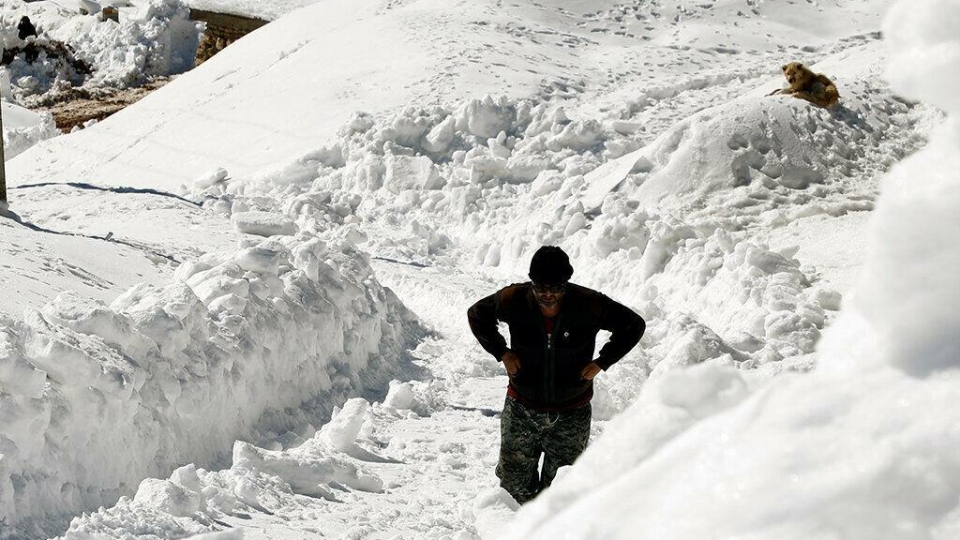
point(400, 396)
point(924, 51)
point(486, 118)
point(169, 497)
point(209, 179)
point(407, 172)
point(308, 468)
point(264, 258)
point(263, 223)
point(343, 428)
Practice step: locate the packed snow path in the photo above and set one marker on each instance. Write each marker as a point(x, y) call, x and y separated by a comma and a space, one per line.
point(437, 467)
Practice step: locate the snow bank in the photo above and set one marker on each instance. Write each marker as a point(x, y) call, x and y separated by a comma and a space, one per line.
point(859, 448)
point(97, 397)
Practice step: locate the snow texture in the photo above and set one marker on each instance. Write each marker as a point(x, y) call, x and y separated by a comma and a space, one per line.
point(792, 382)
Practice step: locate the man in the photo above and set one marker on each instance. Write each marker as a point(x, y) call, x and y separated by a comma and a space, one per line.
point(553, 329)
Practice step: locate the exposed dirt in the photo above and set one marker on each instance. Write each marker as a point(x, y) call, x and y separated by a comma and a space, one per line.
point(76, 106)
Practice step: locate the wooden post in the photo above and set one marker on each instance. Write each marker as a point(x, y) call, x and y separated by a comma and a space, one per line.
point(3, 166)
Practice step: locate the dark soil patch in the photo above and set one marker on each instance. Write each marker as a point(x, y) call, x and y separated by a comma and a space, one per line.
point(76, 106)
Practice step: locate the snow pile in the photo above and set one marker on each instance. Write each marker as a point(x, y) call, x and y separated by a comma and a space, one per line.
point(95, 398)
point(23, 128)
point(486, 182)
point(154, 38)
point(851, 450)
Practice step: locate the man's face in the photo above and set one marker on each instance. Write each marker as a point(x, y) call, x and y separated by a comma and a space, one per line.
point(548, 295)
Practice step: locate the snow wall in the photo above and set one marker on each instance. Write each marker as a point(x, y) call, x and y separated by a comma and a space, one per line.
point(94, 398)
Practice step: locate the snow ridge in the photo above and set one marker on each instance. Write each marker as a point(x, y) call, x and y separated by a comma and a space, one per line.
point(97, 397)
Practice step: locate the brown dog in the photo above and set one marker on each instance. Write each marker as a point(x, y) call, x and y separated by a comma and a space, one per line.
point(805, 84)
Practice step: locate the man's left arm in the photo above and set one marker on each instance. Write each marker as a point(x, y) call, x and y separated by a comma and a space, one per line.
point(626, 328)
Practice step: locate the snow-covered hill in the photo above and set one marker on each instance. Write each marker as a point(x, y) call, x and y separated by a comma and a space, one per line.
point(436, 145)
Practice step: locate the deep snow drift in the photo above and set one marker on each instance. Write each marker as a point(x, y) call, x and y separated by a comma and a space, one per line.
point(641, 142)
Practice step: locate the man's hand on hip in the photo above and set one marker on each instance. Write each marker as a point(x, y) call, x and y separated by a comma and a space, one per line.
point(590, 371)
point(511, 361)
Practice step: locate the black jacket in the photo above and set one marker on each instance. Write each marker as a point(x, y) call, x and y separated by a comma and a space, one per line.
point(550, 371)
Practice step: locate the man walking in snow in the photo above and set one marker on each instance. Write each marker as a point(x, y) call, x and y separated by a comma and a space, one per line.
point(553, 329)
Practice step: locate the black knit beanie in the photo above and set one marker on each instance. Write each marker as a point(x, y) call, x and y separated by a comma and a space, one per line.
point(550, 265)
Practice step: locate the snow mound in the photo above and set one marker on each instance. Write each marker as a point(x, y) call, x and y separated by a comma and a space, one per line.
point(342, 430)
point(97, 397)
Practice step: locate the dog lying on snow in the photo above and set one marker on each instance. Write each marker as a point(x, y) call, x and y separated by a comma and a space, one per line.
point(805, 84)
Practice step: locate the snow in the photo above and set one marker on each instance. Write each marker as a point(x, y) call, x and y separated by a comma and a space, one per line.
point(154, 38)
point(128, 379)
point(262, 224)
point(239, 304)
point(23, 128)
point(257, 9)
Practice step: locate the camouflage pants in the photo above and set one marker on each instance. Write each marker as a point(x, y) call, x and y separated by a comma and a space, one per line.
point(525, 434)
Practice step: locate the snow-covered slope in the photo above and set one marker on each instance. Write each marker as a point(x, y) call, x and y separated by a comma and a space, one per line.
point(637, 136)
point(290, 86)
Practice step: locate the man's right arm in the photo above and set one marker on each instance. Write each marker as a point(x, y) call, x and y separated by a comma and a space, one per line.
point(483, 317)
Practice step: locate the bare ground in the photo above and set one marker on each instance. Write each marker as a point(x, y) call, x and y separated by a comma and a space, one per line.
point(76, 106)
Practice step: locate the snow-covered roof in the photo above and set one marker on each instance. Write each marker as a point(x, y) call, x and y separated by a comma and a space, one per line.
point(267, 10)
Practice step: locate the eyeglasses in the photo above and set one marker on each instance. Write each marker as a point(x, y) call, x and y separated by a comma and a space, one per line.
point(555, 288)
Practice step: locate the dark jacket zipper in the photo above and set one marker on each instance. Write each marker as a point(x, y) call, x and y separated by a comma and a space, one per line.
point(549, 372)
